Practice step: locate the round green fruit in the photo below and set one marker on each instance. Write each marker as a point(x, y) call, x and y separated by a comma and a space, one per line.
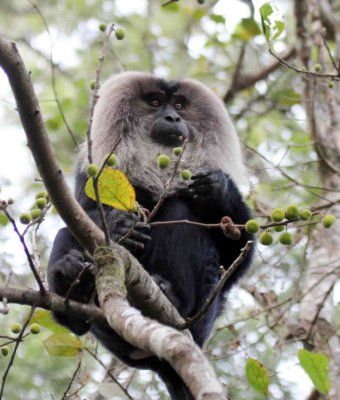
point(112, 160)
point(4, 351)
point(286, 238)
point(35, 329)
point(41, 203)
point(102, 27)
point(15, 327)
point(306, 214)
point(163, 161)
point(279, 228)
point(92, 84)
point(328, 221)
point(120, 33)
point(186, 174)
point(25, 218)
point(36, 213)
point(292, 212)
point(266, 239)
point(252, 226)
point(278, 215)
point(92, 170)
point(177, 151)
point(331, 84)
point(317, 68)
point(41, 194)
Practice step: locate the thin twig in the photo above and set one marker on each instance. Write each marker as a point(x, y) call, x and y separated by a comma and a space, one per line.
point(95, 97)
point(217, 289)
point(75, 283)
point(317, 74)
point(17, 343)
point(330, 55)
point(168, 183)
point(53, 78)
point(186, 221)
point(108, 372)
point(65, 396)
point(42, 288)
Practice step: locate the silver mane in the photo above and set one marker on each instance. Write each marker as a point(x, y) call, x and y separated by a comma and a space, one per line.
point(120, 113)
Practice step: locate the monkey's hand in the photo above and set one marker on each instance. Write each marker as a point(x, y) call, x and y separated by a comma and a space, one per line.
point(71, 276)
point(209, 186)
point(125, 227)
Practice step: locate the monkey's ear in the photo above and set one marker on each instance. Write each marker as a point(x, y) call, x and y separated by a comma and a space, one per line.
point(115, 190)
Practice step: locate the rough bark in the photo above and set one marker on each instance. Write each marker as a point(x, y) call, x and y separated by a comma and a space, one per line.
point(322, 105)
point(148, 335)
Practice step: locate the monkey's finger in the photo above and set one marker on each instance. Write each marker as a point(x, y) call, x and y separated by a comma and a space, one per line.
point(139, 237)
point(201, 190)
point(203, 173)
point(208, 182)
point(133, 244)
point(142, 226)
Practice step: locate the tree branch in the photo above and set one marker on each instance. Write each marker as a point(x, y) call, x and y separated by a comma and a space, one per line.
point(243, 82)
point(148, 335)
point(81, 226)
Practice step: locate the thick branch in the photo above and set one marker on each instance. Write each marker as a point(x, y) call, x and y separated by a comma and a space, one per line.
point(243, 82)
point(53, 302)
point(148, 335)
point(82, 228)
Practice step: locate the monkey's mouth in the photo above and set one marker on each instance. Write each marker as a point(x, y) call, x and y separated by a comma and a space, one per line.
point(169, 138)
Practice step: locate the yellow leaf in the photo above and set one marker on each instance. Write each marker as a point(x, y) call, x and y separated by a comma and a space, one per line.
point(64, 345)
point(114, 188)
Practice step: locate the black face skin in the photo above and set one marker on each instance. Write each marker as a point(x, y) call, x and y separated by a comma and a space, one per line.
point(168, 128)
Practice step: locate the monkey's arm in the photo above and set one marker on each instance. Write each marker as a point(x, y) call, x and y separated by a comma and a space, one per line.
point(217, 196)
point(68, 273)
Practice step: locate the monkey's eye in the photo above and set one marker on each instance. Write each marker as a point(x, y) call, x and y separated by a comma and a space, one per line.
point(155, 103)
point(154, 99)
point(179, 102)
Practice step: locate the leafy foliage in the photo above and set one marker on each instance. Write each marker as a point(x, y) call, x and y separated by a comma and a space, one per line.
point(63, 345)
point(316, 366)
point(114, 189)
point(257, 376)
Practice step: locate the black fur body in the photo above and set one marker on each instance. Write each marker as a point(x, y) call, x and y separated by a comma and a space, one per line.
point(184, 259)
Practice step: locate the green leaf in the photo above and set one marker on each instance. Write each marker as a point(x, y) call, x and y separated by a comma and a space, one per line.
point(219, 19)
point(286, 97)
point(279, 27)
point(199, 13)
point(276, 26)
point(246, 29)
point(257, 376)
point(3, 219)
point(114, 188)
point(316, 366)
point(265, 11)
point(63, 345)
point(173, 7)
point(45, 319)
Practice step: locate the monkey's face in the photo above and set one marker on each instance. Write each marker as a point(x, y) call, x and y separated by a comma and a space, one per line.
point(139, 116)
point(168, 128)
